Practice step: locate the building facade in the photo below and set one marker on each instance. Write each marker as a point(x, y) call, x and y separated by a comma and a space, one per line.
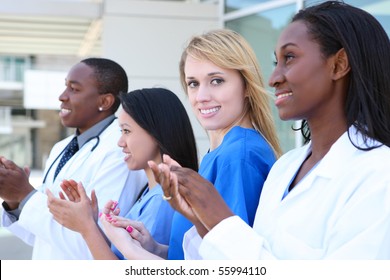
point(146, 37)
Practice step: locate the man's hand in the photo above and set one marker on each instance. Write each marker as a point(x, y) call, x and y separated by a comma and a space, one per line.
point(14, 183)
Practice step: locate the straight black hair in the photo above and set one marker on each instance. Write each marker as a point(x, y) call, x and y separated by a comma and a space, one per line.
point(335, 25)
point(161, 113)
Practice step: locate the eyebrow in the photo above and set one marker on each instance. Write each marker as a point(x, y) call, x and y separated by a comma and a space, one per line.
point(124, 124)
point(285, 46)
point(209, 74)
point(72, 82)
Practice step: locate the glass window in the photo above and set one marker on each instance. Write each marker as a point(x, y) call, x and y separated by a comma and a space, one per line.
point(380, 9)
point(233, 5)
point(262, 31)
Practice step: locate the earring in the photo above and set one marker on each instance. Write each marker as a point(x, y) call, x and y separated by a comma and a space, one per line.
point(100, 109)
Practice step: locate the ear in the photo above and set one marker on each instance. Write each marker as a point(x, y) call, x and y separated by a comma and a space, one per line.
point(106, 101)
point(340, 66)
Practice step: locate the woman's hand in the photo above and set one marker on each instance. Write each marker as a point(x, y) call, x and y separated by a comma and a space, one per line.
point(203, 198)
point(191, 195)
point(137, 231)
point(170, 186)
point(78, 215)
point(110, 208)
point(122, 239)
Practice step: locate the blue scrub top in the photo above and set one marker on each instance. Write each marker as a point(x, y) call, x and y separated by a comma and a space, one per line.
point(155, 213)
point(238, 169)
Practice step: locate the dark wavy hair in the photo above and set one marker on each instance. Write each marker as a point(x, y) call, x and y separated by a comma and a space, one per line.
point(161, 113)
point(110, 77)
point(335, 25)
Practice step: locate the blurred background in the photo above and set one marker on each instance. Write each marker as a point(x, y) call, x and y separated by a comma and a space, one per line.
point(41, 39)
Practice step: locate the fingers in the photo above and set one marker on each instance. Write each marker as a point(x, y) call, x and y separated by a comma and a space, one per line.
point(61, 195)
point(155, 169)
point(111, 208)
point(174, 186)
point(81, 191)
point(165, 179)
point(54, 204)
point(71, 193)
point(94, 204)
point(8, 164)
point(94, 199)
point(169, 161)
point(49, 194)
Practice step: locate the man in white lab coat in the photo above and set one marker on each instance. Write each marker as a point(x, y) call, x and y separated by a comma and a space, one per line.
point(88, 103)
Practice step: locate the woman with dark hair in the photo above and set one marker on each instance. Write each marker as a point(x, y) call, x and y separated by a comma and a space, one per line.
point(223, 82)
point(153, 122)
point(329, 199)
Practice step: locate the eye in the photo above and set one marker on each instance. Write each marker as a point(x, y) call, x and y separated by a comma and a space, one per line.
point(217, 81)
point(288, 57)
point(125, 131)
point(192, 84)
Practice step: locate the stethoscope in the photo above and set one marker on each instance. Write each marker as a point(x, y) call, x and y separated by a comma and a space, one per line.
point(93, 148)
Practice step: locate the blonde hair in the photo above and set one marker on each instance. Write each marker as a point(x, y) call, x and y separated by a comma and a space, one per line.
point(229, 50)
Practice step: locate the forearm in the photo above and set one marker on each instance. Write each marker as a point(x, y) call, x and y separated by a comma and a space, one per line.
point(161, 250)
point(134, 252)
point(201, 229)
point(97, 244)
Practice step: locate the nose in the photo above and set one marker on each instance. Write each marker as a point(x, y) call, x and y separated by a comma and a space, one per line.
point(202, 94)
point(63, 96)
point(121, 142)
point(276, 77)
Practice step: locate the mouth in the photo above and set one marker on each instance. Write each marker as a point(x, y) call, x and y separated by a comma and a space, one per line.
point(283, 95)
point(64, 112)
point(209, 111)
point(127, 155)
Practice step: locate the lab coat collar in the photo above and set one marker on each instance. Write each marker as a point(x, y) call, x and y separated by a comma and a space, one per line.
point(340, 154)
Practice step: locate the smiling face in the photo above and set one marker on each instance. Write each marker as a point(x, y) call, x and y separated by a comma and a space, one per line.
point(217, 95)
point(80, 100)
point(136, 143)
point(302, 78)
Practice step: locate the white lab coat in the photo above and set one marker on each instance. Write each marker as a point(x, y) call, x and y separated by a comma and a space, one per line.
point(340, 210)
point(102, 169)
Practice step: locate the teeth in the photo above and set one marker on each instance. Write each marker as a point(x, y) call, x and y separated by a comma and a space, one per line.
point(65, 110)
point(284, 95)
point(208, 111)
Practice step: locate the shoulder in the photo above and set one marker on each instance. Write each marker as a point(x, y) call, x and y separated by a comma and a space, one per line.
point(246, 144)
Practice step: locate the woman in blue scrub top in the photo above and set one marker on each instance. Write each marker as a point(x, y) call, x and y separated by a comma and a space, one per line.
point(221, 77)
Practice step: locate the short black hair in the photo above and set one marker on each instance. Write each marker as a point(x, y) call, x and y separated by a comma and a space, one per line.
point(110, 77)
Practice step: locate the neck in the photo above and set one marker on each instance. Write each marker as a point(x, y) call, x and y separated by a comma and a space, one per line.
point(216, 136)
point(323, 137)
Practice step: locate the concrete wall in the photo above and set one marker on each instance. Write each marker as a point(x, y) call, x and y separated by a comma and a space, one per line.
point(147, 38)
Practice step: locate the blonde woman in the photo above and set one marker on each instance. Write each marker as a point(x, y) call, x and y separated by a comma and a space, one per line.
point(221, 77)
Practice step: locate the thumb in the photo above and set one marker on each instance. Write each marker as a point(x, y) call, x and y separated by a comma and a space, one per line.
point(49, 193)
point(27, 170)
